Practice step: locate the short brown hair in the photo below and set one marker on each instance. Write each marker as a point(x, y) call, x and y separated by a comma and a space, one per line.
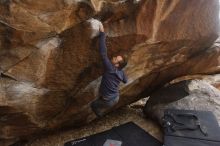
point(124, 62)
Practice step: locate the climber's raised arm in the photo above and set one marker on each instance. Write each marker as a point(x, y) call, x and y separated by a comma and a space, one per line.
point(103, 49)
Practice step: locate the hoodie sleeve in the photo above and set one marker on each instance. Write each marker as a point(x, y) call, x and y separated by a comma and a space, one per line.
point(125, 79)
point(103, 51)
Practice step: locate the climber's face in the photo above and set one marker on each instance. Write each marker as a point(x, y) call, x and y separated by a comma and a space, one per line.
point(116, 60)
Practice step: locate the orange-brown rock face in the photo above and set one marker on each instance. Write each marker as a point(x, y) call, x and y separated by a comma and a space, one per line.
point(51, 67)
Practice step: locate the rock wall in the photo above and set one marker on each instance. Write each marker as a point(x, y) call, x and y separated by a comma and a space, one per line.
point(185, 95)
point(51, 67)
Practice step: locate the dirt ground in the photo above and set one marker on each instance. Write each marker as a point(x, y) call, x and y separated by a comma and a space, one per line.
point(121, 116)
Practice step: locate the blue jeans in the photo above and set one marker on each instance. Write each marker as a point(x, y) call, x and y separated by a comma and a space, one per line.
point(101, 105)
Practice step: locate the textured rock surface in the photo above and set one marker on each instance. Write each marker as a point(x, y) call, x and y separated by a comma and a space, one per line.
point(213, 80)
point(52, 68)
point(186, 95)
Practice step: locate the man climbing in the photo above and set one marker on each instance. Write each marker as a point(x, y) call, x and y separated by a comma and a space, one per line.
point(113, 75)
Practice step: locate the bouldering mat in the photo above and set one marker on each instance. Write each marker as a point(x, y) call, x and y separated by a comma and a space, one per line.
point(128, 134)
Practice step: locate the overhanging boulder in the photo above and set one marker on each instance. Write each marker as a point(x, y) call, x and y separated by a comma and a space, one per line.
point(53, 68)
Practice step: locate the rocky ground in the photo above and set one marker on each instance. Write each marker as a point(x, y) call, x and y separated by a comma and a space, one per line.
point(122, 115)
